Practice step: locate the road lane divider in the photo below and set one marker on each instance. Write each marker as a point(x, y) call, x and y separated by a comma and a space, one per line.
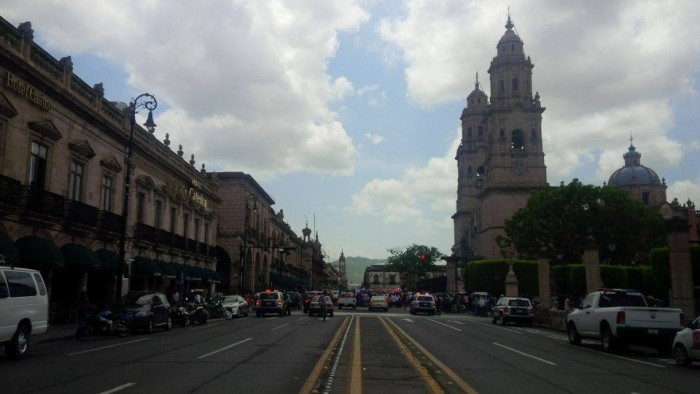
point(446, 325)
point(616, 356)
point(455, 380)
point(118, 388)
point(203, 327)
point(525, 354)
point(432, 385)
point(224, 348)
point(356, 363)
point(107, 347)
point(320, 366)
point(277, 328)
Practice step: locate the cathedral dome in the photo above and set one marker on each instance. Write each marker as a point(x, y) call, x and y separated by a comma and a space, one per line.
point(510, 36)
point(634, 173)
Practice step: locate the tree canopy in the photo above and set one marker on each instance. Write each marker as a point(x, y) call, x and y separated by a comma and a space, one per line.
point(409, 258)
point(558, 220)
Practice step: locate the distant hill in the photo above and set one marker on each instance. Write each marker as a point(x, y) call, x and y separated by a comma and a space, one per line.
point(355, 267)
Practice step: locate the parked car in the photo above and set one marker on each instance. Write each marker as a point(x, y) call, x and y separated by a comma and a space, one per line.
point(23, 308)
point(378, 302)
point(270, 301)
point(686, 344)
point(424, 303)
point(518, 310)
point(151, 310)
point(307, 299)
point(236, 304)
point(347, 299)
point(315, 309)
point(621, 317)
point(296, 299)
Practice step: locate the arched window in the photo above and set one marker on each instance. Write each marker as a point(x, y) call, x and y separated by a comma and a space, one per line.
point(480, 172)
point(516, 84)
point(517, 139)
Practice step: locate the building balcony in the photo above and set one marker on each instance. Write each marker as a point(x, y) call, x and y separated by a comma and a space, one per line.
point(144, 232)
point(39, 203)
point(108, 222)
point(10, 191)
point(80, 213)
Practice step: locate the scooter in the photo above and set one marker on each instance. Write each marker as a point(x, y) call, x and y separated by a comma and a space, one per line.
point(104, 323)
point(197, 313)
point(180, 315)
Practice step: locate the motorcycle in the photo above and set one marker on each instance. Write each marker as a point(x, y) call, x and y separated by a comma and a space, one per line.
point(104, 323)
point(217, 310)
point(180, 315)
point(197, 313)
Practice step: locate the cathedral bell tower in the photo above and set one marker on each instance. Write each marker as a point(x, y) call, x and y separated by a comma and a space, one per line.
point(500, 160)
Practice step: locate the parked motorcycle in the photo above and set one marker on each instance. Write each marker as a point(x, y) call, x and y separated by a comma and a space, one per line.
point(197, 313)
point(180, 315)
point(104, 323)
point(217, 310)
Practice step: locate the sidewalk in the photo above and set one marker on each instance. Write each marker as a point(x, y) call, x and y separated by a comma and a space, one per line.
point(56, 333)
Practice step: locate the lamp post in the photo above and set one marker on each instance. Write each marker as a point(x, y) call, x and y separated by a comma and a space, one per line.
point(244, 246)
point(148, 102)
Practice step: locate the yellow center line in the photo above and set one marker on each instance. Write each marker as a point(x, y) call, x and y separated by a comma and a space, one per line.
point(451, 374)
point(356, 371)
point(320, 364)
point(432, 384)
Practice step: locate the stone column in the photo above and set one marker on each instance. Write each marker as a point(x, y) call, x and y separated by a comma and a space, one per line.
point(511, 282)
point(679, 261)
point(545, 289)
point(591, 261)
point(452, 278)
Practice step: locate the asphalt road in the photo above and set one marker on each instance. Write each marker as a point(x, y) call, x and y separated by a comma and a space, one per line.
point(353, 352)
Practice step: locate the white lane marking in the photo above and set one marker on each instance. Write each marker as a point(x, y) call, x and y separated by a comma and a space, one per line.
point(446, 325)
point(302, 318)
point(118, 388)
point(524, 354)
point(496, 326)
point(277, 328)
point(203, 327)
point(456, 322)
point(107, 347)
point(225, 348)
point(622, 358)
point(408, 320)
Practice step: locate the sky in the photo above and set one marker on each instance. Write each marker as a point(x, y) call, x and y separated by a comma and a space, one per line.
point(347, 112)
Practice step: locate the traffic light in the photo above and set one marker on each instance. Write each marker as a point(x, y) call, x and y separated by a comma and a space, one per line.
point(423, 257)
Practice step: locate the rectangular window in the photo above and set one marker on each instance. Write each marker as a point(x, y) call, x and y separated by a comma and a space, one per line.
point(173, 220)
point(75, 181)
point(159, 214)
point(184, 224)
point(140, 207)
point(196, 229)
point(106, 193)
point(20, 283)
point(37, 165)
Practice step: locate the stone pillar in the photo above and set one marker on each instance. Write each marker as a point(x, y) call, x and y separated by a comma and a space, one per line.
point(511, 282)
point(591, 261)
point(679, 261)
point(545, 288)
point(452, 279)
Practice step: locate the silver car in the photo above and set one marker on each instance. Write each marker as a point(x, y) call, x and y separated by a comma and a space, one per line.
point(236, 304)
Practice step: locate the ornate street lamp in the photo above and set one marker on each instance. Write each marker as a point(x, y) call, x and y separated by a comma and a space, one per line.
point(148, 102)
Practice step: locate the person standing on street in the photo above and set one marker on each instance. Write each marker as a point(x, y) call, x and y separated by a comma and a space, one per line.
point(322, 304)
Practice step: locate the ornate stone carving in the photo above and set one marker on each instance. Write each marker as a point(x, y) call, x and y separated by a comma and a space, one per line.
point(47, 129)
point(111, 164)
point(82, 149)
point(6, 108)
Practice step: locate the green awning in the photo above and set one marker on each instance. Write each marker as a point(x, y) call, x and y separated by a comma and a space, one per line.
point(79, 256)
point(193, 273)
point(214, 277)
point(109, 261)
point(180, 270)
point(167, 270)
point(143, 266)
point(8, 249)
point(39, 251)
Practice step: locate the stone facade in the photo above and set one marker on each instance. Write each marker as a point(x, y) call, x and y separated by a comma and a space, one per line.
point(500, 160)
point(62, 185)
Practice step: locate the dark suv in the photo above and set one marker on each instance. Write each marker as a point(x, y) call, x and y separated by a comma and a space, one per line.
point(270, 302)
point(296, 299)
point(151, 310)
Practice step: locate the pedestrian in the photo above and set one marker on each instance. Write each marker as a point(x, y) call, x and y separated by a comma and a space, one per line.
point(482, 306)
point(288, 303)
point(322, 304)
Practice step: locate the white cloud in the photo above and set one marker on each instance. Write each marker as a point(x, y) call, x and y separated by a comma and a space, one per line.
point(685, 190)
point(247, 81)
point(374, 138)
point(376, 97)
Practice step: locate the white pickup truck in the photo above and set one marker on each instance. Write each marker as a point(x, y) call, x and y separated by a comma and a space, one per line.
point(621, 317)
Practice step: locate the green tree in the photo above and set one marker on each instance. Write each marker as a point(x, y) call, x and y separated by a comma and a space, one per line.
point(559, 219)
point(409, 258)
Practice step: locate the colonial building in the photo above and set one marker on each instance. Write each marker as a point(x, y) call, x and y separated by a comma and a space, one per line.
point(257, 249)
point(639, 181)
point(500, 160)
point(62, 185)
point(377, 278)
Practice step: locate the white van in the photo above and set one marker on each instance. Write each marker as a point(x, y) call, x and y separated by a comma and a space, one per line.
point(23, 308)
